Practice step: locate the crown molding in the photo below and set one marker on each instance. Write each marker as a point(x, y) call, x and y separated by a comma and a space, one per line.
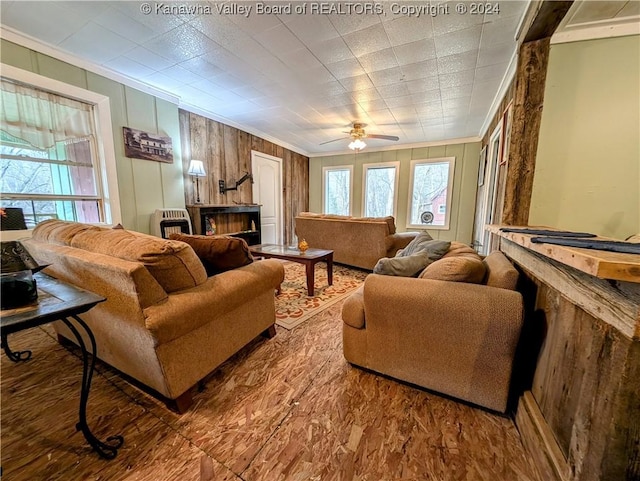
point(27, 41)
point(418, 145)
point(609, 28)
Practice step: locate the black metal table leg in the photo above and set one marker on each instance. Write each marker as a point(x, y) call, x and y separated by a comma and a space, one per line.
point(15, 356)
point(109, 449)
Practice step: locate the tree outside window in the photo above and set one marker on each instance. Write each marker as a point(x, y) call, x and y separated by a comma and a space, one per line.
point(431, 187)
point(337, 190)
point(380, 181)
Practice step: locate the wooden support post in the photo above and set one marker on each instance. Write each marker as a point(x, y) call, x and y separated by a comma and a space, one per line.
point(527, 113)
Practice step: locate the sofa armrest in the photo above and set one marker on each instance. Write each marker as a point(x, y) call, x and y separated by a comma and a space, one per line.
point(186, 310)
point(397, 241)
point(453, 337)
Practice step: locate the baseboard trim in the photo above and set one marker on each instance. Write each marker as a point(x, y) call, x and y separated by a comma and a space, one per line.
point(539, 441)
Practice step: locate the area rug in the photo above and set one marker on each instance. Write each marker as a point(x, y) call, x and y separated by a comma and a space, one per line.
point(294, 306)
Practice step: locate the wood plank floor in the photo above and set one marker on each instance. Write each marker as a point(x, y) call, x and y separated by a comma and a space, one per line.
point(286, 408)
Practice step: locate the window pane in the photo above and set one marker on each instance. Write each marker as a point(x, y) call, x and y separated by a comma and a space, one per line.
point(380, 193)
point(69, 173)
point(337, 191)
point(429, 197)
point(73, 210)
point(47, 155)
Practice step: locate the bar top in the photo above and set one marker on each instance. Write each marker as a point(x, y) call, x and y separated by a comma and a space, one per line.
point(598, 263)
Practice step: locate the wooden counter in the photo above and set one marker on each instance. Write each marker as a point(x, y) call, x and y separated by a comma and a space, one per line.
point(579, 412)
point(601, 264)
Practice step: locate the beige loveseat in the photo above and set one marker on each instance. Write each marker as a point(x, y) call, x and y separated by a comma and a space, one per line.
point(355, 241)
point(164, 323)
point(457, 338)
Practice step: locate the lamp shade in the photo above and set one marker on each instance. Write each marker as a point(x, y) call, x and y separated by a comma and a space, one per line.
point(357, 145)
point(196, 167)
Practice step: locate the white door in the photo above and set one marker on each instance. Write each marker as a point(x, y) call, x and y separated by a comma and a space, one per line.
point(267, 191)
point(487, 194)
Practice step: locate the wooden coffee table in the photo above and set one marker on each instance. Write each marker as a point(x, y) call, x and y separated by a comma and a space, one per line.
point(309, 258)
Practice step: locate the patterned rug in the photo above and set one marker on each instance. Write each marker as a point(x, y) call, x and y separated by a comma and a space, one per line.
point(294, 306)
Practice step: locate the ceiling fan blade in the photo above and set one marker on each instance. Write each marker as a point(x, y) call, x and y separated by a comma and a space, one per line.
point(384, 137)
point(334, 140)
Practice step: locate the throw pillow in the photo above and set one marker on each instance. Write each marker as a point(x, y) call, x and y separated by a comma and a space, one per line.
point(424, 254)
point(460, 268)
point(415, 245)
point(407, 266)
point(217, 253)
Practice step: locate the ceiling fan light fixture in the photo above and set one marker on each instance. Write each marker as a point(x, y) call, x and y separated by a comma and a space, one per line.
point(357, 145)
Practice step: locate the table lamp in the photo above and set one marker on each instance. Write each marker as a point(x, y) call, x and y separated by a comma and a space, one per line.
point(196, 169)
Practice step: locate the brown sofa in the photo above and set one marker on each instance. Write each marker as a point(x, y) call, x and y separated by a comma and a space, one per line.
point(164, 323)
point(355, 241)
point(457, 338)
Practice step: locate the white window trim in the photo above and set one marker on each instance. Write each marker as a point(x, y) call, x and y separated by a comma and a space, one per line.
point(365, 168)
point(106, 170)
point(447, 217)
point(324, 177)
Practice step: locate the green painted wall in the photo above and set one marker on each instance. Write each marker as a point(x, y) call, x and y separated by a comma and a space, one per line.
point(464, 183)
point(144, 185)
point(587, 173)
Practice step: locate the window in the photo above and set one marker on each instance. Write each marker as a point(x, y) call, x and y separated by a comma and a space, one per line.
point(380, 187)
point(336, 189)
point(430, 188)
point(52, 162)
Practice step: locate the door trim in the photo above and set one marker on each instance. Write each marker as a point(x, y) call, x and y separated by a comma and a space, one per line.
point(280, 206)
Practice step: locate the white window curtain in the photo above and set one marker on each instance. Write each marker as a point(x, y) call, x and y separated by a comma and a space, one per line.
point(48, 155)
point(43, 118)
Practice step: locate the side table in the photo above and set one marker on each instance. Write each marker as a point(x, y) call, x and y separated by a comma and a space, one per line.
point(59, 301)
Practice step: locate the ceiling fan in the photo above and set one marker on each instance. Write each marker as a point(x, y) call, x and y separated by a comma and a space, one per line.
point(357, 133)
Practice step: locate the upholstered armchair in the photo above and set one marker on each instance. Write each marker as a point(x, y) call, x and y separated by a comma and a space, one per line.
point(456, 338)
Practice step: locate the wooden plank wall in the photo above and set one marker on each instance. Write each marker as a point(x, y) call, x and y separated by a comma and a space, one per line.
point(581, 417)
point(226, 152)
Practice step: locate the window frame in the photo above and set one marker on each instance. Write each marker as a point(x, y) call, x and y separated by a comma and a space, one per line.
point(324, 182)
point(450, 187)
point(105, 168)
point(374, 165)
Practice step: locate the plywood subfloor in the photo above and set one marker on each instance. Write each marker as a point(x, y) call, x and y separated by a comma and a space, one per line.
point(286, 408)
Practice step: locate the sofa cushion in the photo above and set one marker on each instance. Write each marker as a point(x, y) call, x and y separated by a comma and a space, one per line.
point(461, 268)
point(59, 232)
point(500, 272)
point(416, 245)
point(406, 266)
point(458, 248)
point(173, 264)
point(461, 263)
point(217, 253)
point(389, 220)
point(310, 214)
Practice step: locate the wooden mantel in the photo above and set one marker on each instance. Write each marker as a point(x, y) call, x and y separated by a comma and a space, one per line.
point(579, 409)
point(598, 263)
